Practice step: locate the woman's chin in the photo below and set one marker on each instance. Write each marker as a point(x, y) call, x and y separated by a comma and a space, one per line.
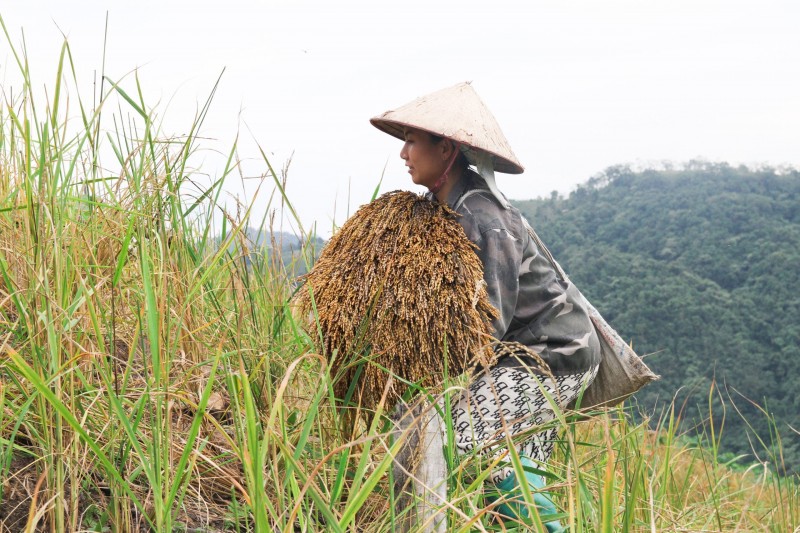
point(421, 183)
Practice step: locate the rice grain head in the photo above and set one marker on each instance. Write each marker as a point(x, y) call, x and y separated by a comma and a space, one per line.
point(399, 288)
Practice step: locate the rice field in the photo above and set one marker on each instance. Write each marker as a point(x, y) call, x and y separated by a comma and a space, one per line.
point(153, 376)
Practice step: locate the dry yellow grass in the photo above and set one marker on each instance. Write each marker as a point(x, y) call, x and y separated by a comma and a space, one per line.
point(401, 284)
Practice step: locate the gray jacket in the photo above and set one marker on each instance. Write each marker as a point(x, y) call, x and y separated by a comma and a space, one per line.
point(537, 308)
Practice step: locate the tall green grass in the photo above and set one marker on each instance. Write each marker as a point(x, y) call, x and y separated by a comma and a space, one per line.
point(153, 377)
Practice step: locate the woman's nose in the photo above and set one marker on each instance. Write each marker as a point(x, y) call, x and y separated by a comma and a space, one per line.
point(404, 152)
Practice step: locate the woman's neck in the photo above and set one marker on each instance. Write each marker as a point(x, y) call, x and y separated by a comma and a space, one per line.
point(453, 177)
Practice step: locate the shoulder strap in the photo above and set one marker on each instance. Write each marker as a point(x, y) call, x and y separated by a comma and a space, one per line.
point(463, 197)
point(546, 252)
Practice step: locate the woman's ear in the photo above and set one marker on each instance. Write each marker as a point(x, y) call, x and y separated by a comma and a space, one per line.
point(447, 147)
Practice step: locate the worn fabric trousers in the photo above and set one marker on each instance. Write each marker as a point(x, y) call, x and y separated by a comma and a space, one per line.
point(509, 398)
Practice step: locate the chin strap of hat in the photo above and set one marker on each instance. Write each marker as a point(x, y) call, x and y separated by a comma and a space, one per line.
point(485, 164)
point(441, 181)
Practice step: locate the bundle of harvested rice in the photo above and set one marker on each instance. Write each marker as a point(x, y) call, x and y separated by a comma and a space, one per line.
point(399, 288)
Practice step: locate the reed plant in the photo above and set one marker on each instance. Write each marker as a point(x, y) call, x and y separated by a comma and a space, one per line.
point(153, 377)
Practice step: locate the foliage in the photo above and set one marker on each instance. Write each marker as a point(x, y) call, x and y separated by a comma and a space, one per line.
point(698, 266)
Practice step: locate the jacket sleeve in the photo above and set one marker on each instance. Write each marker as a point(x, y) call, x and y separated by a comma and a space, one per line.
point(552, 317)
point(536, 307)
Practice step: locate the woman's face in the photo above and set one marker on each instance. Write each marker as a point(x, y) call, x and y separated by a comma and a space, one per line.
point(426, 160)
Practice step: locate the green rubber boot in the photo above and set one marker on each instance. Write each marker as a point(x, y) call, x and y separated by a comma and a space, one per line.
point(516, 508)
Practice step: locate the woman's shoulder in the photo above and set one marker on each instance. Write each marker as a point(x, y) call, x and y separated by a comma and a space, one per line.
point(482, 209)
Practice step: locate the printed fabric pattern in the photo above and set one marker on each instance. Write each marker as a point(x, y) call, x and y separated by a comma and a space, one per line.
point(511, 397)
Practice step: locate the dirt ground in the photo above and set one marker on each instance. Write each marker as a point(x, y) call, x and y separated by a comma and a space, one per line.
point(17, 490)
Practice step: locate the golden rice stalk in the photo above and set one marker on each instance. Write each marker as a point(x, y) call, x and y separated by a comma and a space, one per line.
point(401, 285)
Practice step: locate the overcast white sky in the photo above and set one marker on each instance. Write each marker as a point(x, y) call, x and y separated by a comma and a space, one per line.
point(576, 85)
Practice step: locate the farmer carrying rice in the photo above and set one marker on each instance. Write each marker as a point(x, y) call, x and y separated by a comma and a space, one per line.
point(445, 134)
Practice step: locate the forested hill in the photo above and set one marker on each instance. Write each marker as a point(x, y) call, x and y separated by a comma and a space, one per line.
point(699, 267)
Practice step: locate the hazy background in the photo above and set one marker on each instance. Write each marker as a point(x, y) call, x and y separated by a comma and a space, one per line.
point(576, 85)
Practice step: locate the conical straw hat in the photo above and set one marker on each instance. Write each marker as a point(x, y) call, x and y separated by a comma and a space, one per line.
point(457, 113)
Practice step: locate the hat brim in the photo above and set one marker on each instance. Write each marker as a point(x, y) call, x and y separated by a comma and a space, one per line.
point(395, 129)
point(458, 114)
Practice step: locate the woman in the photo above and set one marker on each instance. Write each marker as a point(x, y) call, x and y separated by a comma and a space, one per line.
point(443, 134)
